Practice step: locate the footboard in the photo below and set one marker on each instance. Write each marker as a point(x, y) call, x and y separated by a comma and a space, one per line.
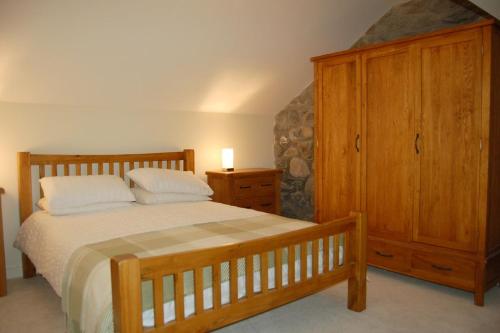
point(290, 266)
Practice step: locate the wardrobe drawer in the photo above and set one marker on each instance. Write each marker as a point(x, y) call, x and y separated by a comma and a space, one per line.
point(448, 270)
point(255, 186)
point(388, 256)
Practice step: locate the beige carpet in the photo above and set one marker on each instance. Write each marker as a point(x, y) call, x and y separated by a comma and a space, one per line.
point(395, 304)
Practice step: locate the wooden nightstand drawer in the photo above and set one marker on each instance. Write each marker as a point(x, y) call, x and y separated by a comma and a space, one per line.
point(264, 204)
point(258, 186)
point(257, 189)
point(389, 256)
point(457, 272)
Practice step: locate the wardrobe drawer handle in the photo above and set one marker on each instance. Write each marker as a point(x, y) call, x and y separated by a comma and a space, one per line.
point(442, 268)
point(266, 185)
point(385, 255)
point(245, 187)
point(356, 144)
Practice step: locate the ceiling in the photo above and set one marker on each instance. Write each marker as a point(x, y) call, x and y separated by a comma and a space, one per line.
point(178, 55)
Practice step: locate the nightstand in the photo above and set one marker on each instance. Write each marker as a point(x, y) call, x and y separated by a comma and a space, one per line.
point(257, 189)
point(3, 275)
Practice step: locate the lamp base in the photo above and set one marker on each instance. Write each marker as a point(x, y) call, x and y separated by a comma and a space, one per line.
point(228, 169)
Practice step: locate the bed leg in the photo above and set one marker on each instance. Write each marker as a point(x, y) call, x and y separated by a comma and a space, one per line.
point(356, 298)
point(126, 290)
point(28, 268)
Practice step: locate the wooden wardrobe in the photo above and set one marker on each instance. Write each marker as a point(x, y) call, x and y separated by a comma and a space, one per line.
point(409, 131)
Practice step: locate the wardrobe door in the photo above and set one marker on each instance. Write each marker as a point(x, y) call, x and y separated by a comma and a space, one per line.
point(450, 140)
point(337, 157)
point(389, 158)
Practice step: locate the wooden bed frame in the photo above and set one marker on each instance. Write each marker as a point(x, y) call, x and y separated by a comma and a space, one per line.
point(128, 271)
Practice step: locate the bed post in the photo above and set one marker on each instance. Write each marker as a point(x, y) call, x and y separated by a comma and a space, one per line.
point(126, 290)
point(189, 160)
point(25, 202)
point(356, 299)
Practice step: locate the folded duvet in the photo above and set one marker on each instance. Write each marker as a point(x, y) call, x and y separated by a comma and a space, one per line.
point(86, 288)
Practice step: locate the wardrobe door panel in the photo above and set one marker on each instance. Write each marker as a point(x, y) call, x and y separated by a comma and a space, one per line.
point(389, 128)
point(450, 141)
point(337, 161)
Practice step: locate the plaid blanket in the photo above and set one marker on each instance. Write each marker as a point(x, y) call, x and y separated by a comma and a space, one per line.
point(86, 297)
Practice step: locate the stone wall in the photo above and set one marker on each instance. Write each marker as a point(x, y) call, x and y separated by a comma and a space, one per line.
point(293, 130)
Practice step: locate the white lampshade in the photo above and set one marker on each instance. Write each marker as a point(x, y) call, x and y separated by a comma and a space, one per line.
point(227, 159)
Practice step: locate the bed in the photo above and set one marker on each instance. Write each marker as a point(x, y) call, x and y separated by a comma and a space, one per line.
point(191, 266)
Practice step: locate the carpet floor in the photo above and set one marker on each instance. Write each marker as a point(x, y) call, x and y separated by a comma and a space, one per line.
point(395, 304)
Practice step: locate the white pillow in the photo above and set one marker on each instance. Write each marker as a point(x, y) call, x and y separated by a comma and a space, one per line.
point(169, 181)
point(77, 191)
point(149, 198)
point(42, 203)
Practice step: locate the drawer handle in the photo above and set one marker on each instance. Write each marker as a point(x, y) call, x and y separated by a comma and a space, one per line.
point(442, 268)
point(245, 187)
point(386, 255)
point(266, 204)
point(266, 185)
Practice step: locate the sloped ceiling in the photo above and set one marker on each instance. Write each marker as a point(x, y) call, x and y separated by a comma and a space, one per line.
point(173, 55)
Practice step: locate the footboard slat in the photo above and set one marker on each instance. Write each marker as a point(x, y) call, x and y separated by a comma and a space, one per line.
point(278, 268)
point(326, 250)
point(352, 268)
point(315, 254)
point(249, 276)
point(158, 300)
point(179, 296)
point(233, 279)
point(198, 289)
point(303, 261)
point(264, 265)
point(291, 265)
point(216, 285)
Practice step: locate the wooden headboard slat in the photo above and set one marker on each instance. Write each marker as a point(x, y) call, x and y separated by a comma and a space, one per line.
point(26, 160)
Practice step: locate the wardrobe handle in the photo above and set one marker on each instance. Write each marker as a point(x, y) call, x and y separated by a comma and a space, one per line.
point(356, 144)
point(382, 254)
point(442, 268)
point(417, 139)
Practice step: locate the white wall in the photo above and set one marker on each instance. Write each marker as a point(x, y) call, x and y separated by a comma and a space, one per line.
point(57, 129)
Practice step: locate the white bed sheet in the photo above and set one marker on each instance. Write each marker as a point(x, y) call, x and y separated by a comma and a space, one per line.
point(49, 241)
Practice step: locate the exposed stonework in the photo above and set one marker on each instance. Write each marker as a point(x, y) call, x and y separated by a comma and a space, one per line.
point(293, 130)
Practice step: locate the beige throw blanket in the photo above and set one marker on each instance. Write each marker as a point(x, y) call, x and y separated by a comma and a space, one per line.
point(87, 280)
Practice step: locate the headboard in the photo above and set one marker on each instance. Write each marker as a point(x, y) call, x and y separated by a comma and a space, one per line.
point(32, 167)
